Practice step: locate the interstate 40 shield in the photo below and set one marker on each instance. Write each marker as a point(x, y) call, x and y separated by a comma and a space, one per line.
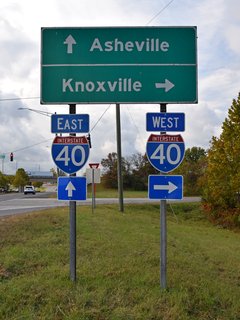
point(165, 152)
point(70, 153)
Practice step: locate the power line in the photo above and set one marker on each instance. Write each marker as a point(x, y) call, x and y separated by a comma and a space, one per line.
point(156, 15)
point(134, 123)
point(28, 147)
point(36, 144)
point(44, 141)
point(23, 98)
point(42, 112)
point(153, 18)
point(100, 118)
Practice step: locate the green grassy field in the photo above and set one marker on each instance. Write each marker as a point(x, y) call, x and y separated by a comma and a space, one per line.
point(118, 266)
point(102, 192)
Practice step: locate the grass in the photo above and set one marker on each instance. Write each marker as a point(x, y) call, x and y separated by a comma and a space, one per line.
point(118, 266)
point(113, 193)
point(102, 192)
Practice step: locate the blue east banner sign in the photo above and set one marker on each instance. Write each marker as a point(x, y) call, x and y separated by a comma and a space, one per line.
point(70, 123)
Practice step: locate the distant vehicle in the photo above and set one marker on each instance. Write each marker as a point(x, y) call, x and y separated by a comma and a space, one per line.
point(29, 189)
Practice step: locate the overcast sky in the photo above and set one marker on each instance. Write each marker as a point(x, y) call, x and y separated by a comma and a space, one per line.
point(28, 134)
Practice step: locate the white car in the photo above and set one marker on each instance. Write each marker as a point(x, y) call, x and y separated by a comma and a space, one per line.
point(29, 189)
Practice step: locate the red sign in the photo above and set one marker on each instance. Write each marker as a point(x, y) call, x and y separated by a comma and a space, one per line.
point(165, 138)
point(70, 140)
point(94, 165)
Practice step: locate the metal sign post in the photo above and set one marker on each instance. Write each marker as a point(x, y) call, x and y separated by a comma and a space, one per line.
point(73, 224)
point(93, 191)
point(119, 157)
point(163, 230)
point(163, 245)
point(93, 167)
point(93, 177)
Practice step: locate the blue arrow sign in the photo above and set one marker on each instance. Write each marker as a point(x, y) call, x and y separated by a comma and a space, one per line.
point(165, 187)
point(72, 188)
point(165, 121)
point(165, 152)
point(69, 123)
point(70, 153)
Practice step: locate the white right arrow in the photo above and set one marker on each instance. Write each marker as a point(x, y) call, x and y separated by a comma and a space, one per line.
point(70, 41)
point(167, 85)
point(170, 187)
point(70, 188)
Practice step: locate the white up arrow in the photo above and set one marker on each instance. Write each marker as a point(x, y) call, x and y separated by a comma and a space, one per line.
point(167, 85)
point(70, 188)
point(170, 187)
point(70, 41)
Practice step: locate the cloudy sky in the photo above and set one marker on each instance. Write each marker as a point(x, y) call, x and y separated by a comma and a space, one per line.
point(28, 135)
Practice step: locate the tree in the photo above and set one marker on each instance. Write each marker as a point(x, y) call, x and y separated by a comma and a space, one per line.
point(141, 169)
point(57, 172)
point(37, 184)
point(54, 172)
point(21, 178)
point(4, 181)
point(192, 169)
point(222, 178)
point(110, 170)
point(135, 171)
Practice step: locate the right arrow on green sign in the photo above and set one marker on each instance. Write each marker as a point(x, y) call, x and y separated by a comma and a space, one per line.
point(167, 85)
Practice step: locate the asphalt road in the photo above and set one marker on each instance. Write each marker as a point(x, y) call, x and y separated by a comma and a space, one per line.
point(17, 203)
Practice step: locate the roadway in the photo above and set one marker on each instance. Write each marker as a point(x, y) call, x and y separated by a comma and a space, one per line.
point(17, 203)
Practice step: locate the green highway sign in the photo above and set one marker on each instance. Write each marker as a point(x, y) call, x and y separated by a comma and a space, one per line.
point(119, 65)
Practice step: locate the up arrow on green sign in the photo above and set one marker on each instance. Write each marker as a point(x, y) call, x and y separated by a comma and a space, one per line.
point(69, 42)
point(119, 65)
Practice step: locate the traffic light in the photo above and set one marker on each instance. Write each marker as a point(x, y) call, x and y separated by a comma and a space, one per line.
point(89, 140)
point(11, 156)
